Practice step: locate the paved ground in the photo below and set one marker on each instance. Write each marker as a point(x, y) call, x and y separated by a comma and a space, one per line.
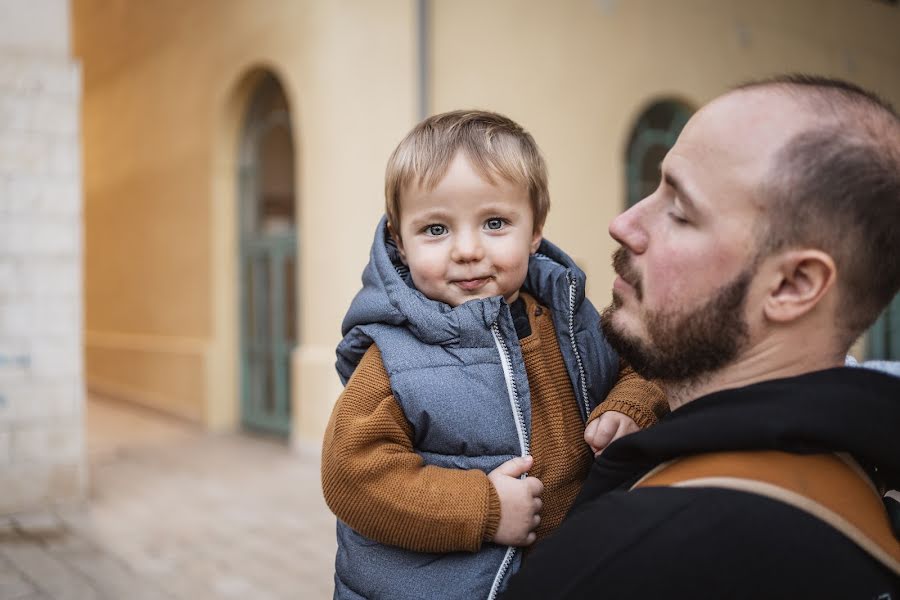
point(174, 513)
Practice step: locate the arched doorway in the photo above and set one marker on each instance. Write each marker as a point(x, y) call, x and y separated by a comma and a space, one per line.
point(268, 262)
point(653, 135)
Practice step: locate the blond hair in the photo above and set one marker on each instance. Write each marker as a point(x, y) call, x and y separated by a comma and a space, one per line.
point(495, 146)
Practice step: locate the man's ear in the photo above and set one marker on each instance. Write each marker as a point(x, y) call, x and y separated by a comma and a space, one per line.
point(536, 238)
point(399, 241)
point(800, 279)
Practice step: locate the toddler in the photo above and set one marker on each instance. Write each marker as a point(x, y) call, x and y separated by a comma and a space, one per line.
point(472, 362)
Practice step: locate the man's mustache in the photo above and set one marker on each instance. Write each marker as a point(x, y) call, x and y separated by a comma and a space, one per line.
point(621, 262)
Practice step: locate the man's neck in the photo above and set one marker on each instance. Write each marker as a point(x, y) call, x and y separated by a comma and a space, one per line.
point(761, 363)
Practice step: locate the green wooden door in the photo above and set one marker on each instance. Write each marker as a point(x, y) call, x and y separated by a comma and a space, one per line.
point(268, 262)
point(268, 266)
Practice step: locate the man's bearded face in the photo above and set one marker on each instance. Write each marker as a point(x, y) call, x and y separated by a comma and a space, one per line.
point(684, 343)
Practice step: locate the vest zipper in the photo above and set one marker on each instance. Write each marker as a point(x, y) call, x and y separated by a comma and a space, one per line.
point(511, 389)
point(581, 378)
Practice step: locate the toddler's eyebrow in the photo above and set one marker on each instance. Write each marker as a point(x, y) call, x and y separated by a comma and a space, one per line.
point(434, 214)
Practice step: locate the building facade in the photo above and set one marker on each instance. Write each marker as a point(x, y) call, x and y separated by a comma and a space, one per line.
point(234, 154)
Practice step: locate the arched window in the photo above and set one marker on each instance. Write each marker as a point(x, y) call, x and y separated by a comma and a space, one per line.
point(653, 135)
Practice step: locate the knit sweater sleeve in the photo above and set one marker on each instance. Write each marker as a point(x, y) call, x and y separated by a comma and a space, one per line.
point(642, 400)
point(376, 483)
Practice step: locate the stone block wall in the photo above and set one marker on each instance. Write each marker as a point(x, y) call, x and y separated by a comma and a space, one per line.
point(42, 454)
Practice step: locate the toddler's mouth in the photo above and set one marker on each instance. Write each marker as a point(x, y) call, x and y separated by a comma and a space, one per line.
point(472, 284)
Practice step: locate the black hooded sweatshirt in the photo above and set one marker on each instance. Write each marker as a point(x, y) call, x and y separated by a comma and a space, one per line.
point(697, 543)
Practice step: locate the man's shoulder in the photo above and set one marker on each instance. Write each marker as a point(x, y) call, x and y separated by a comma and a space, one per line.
point(699, 542)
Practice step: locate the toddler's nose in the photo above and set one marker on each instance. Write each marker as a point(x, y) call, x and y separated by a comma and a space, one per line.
point(467, 248)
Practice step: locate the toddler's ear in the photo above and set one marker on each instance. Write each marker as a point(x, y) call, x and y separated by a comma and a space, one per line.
point(399, 242)
point(536, 239)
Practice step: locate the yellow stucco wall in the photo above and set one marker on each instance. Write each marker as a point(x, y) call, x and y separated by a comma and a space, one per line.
point(166, 83)
point(578, 73)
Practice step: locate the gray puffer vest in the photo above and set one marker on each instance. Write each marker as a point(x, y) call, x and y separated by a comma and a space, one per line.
point(459, 377)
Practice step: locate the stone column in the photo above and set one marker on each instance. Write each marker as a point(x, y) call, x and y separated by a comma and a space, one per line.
point(42, 456)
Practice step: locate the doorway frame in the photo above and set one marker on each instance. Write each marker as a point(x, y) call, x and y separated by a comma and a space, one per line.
point(223, 405)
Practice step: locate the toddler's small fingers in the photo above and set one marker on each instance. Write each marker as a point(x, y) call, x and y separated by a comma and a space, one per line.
point(535, 486)
point(591, 430)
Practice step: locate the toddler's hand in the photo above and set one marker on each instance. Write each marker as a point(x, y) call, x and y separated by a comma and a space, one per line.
point(609, 426)
point(520, 502)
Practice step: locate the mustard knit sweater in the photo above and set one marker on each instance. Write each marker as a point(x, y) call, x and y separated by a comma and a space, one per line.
point(376, 483)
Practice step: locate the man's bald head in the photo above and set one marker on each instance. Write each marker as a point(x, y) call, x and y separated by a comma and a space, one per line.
point(835, 186)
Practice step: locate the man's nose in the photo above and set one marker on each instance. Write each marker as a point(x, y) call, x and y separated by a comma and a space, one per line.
point(629, 229)
point(467, 247)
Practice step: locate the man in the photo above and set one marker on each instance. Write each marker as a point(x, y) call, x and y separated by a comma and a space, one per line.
point(770, 245)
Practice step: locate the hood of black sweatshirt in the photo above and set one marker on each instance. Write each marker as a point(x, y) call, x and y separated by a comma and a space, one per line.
point(843, 409)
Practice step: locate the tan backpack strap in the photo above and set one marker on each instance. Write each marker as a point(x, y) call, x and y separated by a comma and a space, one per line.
point(830, 487)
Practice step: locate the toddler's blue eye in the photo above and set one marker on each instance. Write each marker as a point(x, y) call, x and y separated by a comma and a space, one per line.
point(494, 223)
point(435, 230)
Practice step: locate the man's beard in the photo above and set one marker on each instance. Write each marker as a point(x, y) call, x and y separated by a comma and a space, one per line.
point(683, 346)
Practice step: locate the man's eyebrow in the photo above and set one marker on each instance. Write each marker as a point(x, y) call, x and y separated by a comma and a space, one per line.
point(684, 197)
